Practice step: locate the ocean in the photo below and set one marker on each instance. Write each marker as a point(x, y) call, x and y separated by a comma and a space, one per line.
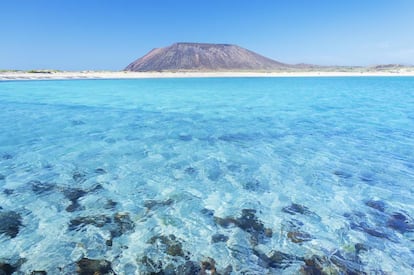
point(230, 175)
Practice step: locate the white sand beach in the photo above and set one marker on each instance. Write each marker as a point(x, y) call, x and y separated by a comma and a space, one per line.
point(52, 75)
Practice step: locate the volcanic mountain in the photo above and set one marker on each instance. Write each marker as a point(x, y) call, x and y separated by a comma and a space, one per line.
point(203, 57)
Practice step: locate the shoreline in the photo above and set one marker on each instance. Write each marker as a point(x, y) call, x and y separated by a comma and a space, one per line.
point(11, 76)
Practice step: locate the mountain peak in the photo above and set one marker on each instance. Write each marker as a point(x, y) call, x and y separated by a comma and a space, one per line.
point(193, 44)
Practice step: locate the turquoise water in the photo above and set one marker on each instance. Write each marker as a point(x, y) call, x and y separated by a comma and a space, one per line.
point(238, 175)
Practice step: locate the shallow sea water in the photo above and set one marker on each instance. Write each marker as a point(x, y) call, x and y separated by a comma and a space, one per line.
point(227, 175)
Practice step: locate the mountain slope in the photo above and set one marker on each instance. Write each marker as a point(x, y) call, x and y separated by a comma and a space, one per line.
point(203, 57)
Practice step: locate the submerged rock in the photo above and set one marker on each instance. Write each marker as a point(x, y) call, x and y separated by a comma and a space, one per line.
point(78, 177)
point(207, 212)
point(39, 187)
point(216, 238)
point(334, 264)
point(225, 222)
point(400, 223)
point(100, 171)
point(74, 194)
point(10, 223)
point(238, 137)
point(152, 204)
point(279, 259)
point(342, 174)
point(276, 259)
point(347, 266)
point(8, 191)
point(7, 156)
point(123, 223)
point(6, 269)
point(158, 267)
point(372, 226)
point(296, 208)
point(98, 221)
point(38, 272)
point(169, 269)
point(252, 185)
point(208, 264)
point(109, 242)
point(313, 266)
point(73, 207)
point(87, 266)
point(118, 225)
point(227, 270)
point(190, 171)
point(247, 222)
point(373, 231)
point(268, 232)
point(299, 237)
point(151, 266)
point(360, 247)
point(213, 170)
point(189, 268)
point(110, 204)
point(376, 204)
point(173, 247)
point(185, 137)
point(77, 122)
point(367, 177)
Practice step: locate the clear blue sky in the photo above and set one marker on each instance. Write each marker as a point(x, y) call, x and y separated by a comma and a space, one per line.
point(109, 34)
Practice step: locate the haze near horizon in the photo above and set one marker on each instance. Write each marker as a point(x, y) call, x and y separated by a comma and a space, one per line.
point(108, 35)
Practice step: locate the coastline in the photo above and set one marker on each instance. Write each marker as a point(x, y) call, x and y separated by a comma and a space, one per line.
point(12, 76)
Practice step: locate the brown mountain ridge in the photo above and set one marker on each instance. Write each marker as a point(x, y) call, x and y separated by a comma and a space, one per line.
point(203, 57)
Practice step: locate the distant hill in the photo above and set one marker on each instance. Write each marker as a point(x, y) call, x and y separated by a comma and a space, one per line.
point(204, 57)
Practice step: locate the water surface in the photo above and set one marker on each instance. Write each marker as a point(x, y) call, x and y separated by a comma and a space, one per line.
point(241, 175)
